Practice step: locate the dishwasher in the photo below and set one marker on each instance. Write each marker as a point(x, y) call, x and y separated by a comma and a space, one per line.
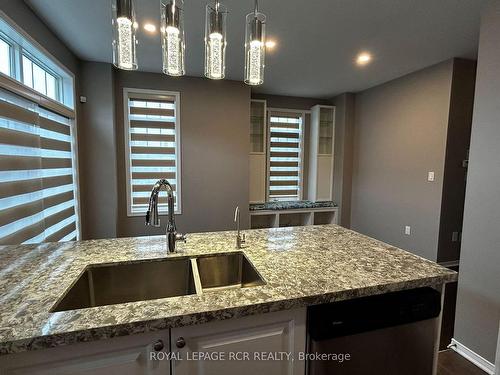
point(388, 334)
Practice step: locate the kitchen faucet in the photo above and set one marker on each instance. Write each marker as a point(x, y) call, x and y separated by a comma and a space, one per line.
point(240, 238)
point(152, 217)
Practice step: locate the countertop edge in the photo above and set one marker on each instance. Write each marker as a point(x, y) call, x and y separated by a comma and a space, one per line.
point(138, 327)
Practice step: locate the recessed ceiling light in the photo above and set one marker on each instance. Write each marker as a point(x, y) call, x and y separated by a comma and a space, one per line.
point(149, 27)
point(270, 44)
point(363, 58)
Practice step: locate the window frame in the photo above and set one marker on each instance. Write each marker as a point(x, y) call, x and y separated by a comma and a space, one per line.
point(303, 114)
point(12, 66)
point(66, 107)
point(178, 152)
point(47, 70)
point(22, 43)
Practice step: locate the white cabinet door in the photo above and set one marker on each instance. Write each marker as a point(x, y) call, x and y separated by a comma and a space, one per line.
point(259, 344)
point(128, 355)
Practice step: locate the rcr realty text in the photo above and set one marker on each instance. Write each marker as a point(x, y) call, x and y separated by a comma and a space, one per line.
point(248, 356)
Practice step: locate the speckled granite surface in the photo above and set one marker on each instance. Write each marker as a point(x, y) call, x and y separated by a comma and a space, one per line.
point(290, 205)
point(301, 266)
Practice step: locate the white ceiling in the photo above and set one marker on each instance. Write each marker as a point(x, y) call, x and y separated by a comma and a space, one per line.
point(317, 39)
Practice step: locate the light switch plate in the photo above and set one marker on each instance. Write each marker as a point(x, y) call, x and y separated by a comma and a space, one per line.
point(430, 176)
point(407, 230)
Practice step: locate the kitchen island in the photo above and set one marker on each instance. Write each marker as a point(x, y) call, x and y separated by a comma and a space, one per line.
point(300, 266)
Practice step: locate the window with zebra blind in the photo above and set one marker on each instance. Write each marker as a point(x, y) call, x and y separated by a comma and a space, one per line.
point(38, 176)
point(152, 140)
point(285, 155)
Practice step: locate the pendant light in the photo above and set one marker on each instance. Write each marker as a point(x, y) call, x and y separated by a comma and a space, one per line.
point(124, 30)
point(255, 48)
point(172, 37)
point(215, 40)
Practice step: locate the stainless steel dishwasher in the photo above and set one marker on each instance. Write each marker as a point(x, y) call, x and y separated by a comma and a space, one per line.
point(389, 334)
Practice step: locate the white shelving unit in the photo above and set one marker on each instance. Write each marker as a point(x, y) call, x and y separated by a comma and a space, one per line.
point(293, 217)
point(258, 141)
point(322, 139)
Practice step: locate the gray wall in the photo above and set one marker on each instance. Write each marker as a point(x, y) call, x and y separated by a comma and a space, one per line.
point(290, 102)
point(215, 120)
point(400, 135)
point(97, 152)
point(478, 304)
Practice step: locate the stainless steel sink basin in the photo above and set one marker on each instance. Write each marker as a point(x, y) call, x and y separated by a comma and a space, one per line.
point(109, 284)
point(227, 271)
point(113, 283)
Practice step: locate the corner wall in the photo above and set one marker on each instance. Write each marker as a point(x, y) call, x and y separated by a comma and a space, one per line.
point(478, 303)
point(97, 152)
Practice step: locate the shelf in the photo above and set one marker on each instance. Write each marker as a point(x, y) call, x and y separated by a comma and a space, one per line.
point(327, 217)
point(263, 221)
point(295, 219)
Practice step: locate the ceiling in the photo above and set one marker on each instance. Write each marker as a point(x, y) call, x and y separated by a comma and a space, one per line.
point(317, 40)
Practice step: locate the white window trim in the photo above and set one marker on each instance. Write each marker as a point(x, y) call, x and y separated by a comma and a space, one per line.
point(303, 114)
point(178, 174)
point(16, 71)
point(15, 85)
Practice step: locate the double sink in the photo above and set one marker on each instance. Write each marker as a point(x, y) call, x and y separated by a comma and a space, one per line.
point(113, 283)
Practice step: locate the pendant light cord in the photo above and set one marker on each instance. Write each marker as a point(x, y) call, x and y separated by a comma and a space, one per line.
point(256, 8)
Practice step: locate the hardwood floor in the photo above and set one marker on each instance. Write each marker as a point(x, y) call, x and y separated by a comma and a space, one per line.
point(451, 363)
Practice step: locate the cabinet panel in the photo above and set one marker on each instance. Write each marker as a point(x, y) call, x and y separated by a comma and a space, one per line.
point(257, 126)
point(324, 178)
point(257, 178)
point(238, 346)
point(120, 356)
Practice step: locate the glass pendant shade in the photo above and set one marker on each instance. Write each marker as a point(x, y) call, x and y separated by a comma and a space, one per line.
point(124, 35)
point(255, 48)
point(172, 37)
point(215, 41)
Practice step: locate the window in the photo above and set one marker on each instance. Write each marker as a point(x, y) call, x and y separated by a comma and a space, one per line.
point(23, 61)
point(5, 56)
point(38, 190)
point(152, 143)
point(285, 156)
point(39, 79)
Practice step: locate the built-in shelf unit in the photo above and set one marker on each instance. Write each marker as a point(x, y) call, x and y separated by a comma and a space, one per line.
point(294, 217)
point(321, 155)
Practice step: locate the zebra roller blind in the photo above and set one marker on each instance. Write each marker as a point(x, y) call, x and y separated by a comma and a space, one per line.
point(38, 190)
point(153, 147)
point(285, 156)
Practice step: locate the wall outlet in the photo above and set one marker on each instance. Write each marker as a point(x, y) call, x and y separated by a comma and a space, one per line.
point(430, 176)
point(407, 230)
point(83, 99)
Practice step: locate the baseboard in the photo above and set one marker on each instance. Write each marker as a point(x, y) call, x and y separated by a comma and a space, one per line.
point(453, 263)
point(473, 357)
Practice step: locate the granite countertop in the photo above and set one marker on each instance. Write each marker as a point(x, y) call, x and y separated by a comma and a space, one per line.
point(301, 266)
point(290, 205)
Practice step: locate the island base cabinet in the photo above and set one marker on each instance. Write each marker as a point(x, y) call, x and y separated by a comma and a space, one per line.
point(259, 344)
point(130, 355)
